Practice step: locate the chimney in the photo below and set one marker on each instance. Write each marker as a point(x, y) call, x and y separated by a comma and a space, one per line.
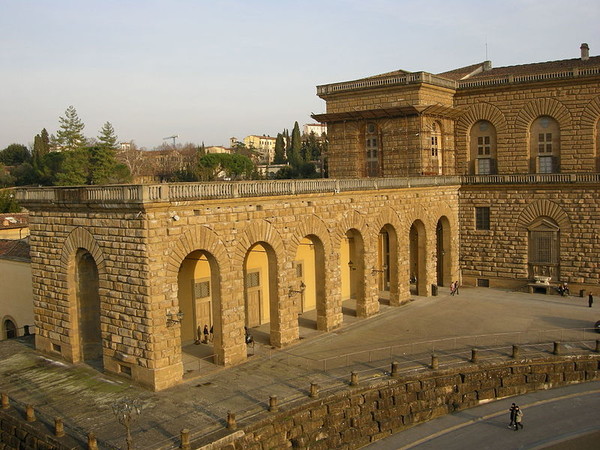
point(585, 52)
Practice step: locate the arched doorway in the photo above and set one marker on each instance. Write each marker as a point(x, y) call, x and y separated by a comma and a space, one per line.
point(198, 296)
point(352, 272)
point(260, 291)
point(387, 262)
point(10, 329)
point(88, 308)
point(418, 271)
point(308, 287)
point(443, 271)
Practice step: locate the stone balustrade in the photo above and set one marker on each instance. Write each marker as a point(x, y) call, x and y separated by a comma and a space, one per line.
point(175, 192)
point(425, 77)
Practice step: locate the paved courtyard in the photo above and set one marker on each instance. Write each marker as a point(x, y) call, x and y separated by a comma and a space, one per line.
point(449, 326)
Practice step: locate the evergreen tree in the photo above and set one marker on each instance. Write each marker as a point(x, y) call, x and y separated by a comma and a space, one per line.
point(70, 135)
point(73, 168)
point(279, 157)
point(107, 137)
point(102, 162)
point(294, 156)
point(41, 147)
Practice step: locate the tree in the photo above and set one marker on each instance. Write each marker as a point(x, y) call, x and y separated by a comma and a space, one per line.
point(107, 137)
point(8, 204)
point(70, 135)
point(73, 168)
point(279, 157)
point(15, 154)
point(6, 178)
point(294, 156)
point(41, 147)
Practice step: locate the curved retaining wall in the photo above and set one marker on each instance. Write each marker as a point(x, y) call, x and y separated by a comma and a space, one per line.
point(364, 414)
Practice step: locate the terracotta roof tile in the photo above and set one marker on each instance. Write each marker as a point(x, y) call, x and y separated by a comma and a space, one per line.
point(15, 249)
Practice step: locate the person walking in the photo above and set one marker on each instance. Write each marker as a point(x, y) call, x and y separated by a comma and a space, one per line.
point(591, 299)
point(456, 287)
point(452, 288)
point(206, 334)
point(518, 418)
point(512, 415)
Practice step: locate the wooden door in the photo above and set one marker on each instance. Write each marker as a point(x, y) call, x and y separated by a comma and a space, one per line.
point(253, 299)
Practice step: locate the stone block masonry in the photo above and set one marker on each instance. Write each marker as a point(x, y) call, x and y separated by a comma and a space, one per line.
point(361, 415)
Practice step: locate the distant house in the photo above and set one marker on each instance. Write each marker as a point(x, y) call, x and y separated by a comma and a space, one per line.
point(318, 128)
point(265, 145)
point(14, 225)
point(16, 292)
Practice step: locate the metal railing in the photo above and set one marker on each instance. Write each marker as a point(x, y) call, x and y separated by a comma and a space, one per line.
point(371, 366)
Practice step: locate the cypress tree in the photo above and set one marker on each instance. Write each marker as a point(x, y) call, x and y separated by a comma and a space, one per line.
point(294, 156)
point(279, 157)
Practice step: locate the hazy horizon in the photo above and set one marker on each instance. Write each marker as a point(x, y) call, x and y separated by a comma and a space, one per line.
point(210, 70)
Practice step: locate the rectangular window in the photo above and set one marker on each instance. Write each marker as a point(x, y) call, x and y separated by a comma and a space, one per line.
point(482, 218)
point(484, 166)
point(545, 142)
point(546, 164)
point(202, 289)
point(542, 251)
point(484, 147)
point(299, 269)
point(253, 279)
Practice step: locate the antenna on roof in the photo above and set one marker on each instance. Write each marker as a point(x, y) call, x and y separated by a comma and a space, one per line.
point(486, 54)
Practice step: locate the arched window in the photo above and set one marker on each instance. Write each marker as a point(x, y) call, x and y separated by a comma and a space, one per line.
point(436, 149)
point(10, 329)
point(483, 148)
point(372, 148)
point(545, 145)
point(544, 246)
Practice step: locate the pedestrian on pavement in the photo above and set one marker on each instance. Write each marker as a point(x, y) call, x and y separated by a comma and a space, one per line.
point(512, 415)
point(206, 334)
point(211, 333)
point(591, 299)
point(456, 287)
point(518, 418)
point(452, 288)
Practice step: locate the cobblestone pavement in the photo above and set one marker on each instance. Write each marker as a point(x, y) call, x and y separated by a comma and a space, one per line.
point(83, 396)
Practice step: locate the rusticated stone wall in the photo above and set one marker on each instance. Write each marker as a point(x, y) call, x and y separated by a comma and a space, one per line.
point(138, 250)
point(361, 415)
point(500, 254)
point(574, 104)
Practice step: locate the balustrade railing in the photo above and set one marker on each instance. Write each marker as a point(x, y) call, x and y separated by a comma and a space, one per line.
point(425, 77)
point(128, 194)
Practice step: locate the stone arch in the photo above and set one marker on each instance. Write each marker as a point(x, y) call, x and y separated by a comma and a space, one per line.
point(82, 238)
point(543, 107)
point(258, 231)
point(309, 225)
point(481, 111)
point(591, 114)
point(544, 208)
point(352, 219)
point(198, 238)
point(590, 129)
point(386, 216)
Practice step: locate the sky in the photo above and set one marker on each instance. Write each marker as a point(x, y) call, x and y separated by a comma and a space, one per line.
point(208, 70)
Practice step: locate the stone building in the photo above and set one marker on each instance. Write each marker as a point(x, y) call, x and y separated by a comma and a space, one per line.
point(480, 174)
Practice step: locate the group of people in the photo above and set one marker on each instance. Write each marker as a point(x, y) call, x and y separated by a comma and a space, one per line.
point(516, 417)
point(208, 335)
point(563, 289)
point(454, 288)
